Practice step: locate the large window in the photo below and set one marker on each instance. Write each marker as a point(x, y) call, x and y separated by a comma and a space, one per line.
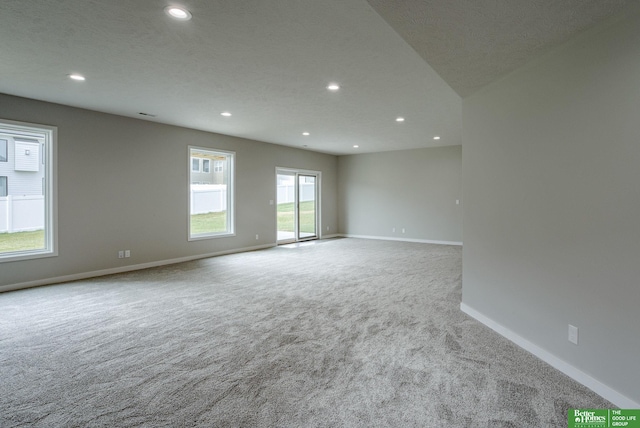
point(210, 193)
point(27, 191)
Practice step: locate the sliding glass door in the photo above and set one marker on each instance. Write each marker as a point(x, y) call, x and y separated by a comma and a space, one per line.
point(297, 205)
point(307, 218)
point(286, 202)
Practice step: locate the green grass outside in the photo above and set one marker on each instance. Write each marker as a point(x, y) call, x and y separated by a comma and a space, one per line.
point(21, 241)
point(286, 217)
point(209, 223)
point(200, 223)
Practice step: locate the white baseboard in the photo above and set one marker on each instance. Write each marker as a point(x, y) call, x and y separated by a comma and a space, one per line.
point(388, 238)
point(129, 268)
point(333, 235)
point(576, 374)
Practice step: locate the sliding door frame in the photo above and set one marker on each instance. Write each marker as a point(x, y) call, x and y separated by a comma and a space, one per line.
point(296, 173)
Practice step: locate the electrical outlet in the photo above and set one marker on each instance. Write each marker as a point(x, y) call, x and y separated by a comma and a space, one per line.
point(573, 334)
point(327, 228)
point(403, 230)
point(121, 254)
point(393, 229)
point(257, 236)
point(127, 253)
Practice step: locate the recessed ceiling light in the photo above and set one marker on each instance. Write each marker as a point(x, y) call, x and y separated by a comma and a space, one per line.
point(178, 13)
point(305, 134)
point(399, 119)
point(225, 114)
point(78, 77)
point(355, 146)
point(436, 138)
point(333, 87)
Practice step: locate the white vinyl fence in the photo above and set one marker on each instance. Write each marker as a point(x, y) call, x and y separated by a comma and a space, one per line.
point(208, 198)
point(21, 213)
point(286, 192)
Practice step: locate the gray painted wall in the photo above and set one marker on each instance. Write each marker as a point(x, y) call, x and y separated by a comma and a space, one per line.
point(411, 189)
point(552, 202)
point(122, 184)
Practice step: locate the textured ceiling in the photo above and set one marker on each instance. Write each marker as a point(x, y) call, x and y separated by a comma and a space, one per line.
point(269, 62)
point(471, 43)
point(266, 62)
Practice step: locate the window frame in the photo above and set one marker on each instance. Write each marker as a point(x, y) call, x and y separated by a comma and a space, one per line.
point(6, 186)
point(231, 208)
point(49, 134)
point(4, 158)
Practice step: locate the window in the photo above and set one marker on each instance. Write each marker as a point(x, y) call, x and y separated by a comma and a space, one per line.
point(30, 231)
point(195, 165)
point(211, 205)
point(4, 145)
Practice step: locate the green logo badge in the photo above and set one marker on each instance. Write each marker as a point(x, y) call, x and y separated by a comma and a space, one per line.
point(603, 418)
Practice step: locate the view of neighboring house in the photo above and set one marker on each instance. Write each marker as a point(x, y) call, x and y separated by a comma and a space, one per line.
point(22, 174)
point(207, 169)
point(21, 166)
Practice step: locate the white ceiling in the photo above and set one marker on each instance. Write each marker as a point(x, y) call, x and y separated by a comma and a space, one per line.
point(474, 42)
point(269, 62)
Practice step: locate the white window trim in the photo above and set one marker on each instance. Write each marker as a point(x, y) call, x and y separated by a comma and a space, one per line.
point(51, 191)
point(231, 200)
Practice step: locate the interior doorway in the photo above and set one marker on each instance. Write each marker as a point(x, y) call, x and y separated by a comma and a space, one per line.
point(297, 205)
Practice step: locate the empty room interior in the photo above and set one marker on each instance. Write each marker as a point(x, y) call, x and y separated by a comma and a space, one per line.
point(318, 213)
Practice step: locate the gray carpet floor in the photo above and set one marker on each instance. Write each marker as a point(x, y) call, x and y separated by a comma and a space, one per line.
point(337, 333)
